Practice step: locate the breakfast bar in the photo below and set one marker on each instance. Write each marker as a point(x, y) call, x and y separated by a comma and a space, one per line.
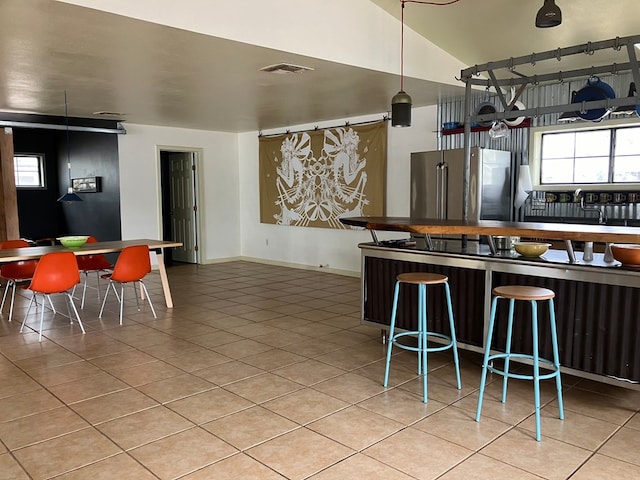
point(597, 300)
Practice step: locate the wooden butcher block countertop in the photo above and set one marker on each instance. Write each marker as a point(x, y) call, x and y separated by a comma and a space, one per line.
point(552, 231)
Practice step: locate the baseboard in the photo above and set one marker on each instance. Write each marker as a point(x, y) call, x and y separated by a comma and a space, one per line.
point(264, 261)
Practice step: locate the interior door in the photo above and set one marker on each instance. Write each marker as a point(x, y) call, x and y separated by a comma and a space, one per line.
point(183, 207)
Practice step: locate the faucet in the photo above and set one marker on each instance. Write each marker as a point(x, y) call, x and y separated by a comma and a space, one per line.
point(602, 217)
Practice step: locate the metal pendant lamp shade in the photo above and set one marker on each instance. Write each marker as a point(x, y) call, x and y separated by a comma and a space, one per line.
point(549, 15)
point(70, 196)
point(401, 101)
point(401, 110)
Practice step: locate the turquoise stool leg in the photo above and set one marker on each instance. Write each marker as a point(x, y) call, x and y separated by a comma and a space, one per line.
point(556, 355)
point(391, 328)
point(422, 329)
point(536, 365)
point(454, 343)
point(420, 337)
point(508, 349)
point(485, 361)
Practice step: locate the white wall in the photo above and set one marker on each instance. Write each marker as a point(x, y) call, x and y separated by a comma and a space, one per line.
point(229, 198)
point(219, 185)
point(320, 246)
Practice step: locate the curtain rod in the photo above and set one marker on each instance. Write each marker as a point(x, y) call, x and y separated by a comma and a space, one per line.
point(50, 126)
point(316, 128)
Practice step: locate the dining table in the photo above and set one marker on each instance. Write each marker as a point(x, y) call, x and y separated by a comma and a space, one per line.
point(114, 246)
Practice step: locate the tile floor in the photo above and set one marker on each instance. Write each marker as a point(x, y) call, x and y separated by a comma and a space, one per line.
point(264, 372)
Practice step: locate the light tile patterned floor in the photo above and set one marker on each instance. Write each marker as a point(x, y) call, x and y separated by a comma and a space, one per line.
point(264, 372)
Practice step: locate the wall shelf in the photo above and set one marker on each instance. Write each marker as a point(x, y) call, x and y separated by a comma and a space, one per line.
point(526, 123)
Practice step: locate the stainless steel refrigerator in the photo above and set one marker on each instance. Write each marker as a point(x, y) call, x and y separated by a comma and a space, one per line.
point(436, 184)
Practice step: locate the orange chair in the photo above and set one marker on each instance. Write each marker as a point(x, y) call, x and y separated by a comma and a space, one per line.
point(15, 272)
point(132, 265)
point(87, 264)
point(55, 273)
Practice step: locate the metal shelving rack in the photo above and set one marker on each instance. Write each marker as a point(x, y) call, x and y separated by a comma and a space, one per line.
point(470, 76)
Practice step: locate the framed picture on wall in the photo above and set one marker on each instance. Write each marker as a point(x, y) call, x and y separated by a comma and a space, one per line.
point(86, 184)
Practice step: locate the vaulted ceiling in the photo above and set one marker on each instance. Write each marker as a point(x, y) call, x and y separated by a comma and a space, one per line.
point(154, 74)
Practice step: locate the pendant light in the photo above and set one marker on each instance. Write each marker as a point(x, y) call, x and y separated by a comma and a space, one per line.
point(401, 101)
point(549, 15)
point(70, 196)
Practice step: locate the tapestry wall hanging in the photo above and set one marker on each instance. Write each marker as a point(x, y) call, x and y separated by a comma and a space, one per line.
point(313, 178)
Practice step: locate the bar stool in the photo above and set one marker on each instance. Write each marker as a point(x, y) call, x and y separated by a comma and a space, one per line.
point(532, 295)
point(422, 334)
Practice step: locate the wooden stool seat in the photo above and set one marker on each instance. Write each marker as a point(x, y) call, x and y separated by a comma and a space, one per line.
point(521, 292)
point(422, 278)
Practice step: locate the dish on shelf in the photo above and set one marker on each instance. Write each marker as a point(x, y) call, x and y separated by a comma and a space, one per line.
point(531, 249)
point(626, 253)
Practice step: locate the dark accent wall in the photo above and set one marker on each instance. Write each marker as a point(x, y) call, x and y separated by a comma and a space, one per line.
point(91, 154)
point(38, 211)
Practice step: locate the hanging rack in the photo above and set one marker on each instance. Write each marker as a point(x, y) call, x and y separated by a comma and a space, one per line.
point(518, 79)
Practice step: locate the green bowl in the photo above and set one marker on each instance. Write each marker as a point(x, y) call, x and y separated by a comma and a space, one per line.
point(73, 241)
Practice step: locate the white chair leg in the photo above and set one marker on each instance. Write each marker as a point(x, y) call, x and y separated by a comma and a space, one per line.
point(75, 310)
point(13, 296)
point(84, 289)
point(24, 320)
point(121, 300)
point(98, 283)
point(42, 318)
point(148, 298)
point(4, 296)
point(50, 303)
point(135, 292)
point(106, 294)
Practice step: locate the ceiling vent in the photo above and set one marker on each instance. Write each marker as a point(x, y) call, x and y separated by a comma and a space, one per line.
point(285, 69)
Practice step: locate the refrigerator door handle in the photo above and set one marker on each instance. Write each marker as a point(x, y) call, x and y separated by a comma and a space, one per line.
point(445, 191)
point(442, 194)
point(439, 196)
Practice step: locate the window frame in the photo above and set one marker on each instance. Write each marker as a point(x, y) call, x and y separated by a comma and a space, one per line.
point(535, 154)
point(41, 171)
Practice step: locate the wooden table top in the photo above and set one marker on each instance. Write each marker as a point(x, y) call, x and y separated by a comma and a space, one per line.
point(29, 253)
point(551, 231)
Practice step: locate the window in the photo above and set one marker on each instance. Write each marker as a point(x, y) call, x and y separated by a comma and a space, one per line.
point(29, 170)
point(590, 156)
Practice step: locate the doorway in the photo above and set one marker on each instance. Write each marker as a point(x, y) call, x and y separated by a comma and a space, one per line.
point(178, 181)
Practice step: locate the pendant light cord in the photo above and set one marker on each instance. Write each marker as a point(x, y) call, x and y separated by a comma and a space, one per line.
point(402, 47)
point(66, 118)
point(423, 2)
